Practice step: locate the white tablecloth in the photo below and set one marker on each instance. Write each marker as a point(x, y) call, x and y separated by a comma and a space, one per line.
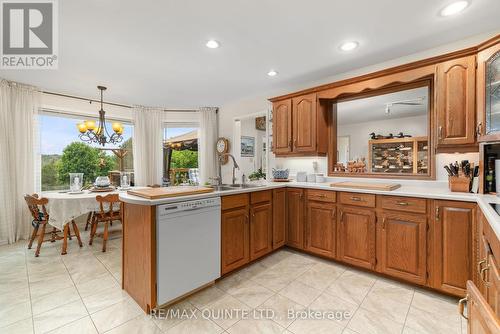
point(64, 207)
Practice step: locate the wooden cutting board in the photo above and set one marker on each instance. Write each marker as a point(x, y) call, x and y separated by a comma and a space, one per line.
point(366, 185)
point(166, 192)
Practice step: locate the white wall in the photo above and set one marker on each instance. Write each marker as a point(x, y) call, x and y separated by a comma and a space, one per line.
point(359, 133)
point(250, 164)
point(252, 104)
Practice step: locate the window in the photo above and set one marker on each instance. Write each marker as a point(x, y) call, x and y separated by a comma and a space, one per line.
point(62, 152)
point(180, 153)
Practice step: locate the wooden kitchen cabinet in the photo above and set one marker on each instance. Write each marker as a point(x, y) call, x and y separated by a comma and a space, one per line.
point(261, 227)
point(304, 123)
point(480, 317)
point(235, 239)
point(295, 215)
point(282, 127)
point(452, 245)
point(300, 126)
point(356, 236)
point(320, 228)
point(455, 102)
point(488, 99)
point(402, 246)
point(279, 217)
point(492, 283)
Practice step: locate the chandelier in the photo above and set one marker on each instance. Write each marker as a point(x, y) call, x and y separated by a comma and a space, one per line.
point(90, 132)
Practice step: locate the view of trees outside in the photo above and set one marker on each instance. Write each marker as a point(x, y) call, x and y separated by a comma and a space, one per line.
point(184, 158)
point(63, 153)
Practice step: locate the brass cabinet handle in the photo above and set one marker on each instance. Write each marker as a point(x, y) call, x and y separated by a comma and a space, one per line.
point(479, 128)
point(341, 216)
point(440, 132)
point(480, 266)
point(403, 203)
point(461, 306)
point(357, 199)
point(295, 143)
point(290, 144)
point(482, 275)
point(437, 212)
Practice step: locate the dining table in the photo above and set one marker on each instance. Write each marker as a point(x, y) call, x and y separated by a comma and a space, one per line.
point(64, 206)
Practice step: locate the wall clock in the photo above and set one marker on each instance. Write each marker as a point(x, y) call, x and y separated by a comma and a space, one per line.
point(223, 147)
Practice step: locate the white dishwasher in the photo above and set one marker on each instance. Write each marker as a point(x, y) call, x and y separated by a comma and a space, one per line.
point(188, 246)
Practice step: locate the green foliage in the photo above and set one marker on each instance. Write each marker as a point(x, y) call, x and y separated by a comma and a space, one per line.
point(49, 174)
point(80, 158)
point(128, 160)
point(257, 175)
point(184, 159)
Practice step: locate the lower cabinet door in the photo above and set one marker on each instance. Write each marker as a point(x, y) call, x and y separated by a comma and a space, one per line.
point(480, 317)
point(261, 230)
point(279, 217)
point(356, 236)
point(295, 217)
point(492, 282)
point(234, 238)
point(320, 228)
point(402, 246)
point(451, 253)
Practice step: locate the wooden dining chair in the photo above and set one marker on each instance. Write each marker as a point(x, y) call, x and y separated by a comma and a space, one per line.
point(40, 220)
point(109, 211)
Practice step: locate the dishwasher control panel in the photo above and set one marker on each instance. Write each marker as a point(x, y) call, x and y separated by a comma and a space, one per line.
point(166, 209)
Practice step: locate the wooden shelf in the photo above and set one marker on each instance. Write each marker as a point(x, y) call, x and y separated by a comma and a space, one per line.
point(398, 155)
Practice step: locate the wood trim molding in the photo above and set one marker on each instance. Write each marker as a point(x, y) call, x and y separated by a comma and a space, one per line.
point(432, 61)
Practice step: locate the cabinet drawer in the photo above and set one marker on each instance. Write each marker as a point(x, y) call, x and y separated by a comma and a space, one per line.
point(417, 205)
point(321, 195)
point(367, 200)
point(261, 196)
point(234, 201)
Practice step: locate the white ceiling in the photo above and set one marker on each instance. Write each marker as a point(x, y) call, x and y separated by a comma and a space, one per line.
point(373, 108)
point(153, 52)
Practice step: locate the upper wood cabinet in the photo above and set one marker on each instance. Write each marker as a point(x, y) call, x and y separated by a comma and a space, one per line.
point(279, 217)
point(300, 126)
point(282, 127)
point(455, 102)
point(295, 214)
point(356, 236)
point(452, 246)
point(320, 228)
point(488, 93)
point(304, 123)
point(402, 246)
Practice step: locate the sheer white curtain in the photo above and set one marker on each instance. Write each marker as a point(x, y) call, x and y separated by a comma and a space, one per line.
point(19, 157)
point(206, 144)
point(147, 145)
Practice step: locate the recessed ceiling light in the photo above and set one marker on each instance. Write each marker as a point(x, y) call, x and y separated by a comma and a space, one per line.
point(349, 46)
point(212, 44)
point(454, 8)
point(272, 73)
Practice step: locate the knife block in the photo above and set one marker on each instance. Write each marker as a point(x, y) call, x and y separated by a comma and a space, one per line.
point(459, 184)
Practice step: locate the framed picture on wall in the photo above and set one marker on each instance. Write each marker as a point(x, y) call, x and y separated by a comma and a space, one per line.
point(247, 146)
point(260, 123)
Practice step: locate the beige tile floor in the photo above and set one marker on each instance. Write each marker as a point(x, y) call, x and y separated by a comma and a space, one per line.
point(80, 293)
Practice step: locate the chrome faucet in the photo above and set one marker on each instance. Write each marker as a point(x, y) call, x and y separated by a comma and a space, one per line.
point(235, 165)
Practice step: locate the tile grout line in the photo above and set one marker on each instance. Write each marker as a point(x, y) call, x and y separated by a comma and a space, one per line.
point(359, 306)
point(408, 312)
point(29, 289)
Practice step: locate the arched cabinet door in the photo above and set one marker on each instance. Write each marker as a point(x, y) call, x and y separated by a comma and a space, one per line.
point(455, 102)
point(488, 93)
point(282, 127)
point(304, 123)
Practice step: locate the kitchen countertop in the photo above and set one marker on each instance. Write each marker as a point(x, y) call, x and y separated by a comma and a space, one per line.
point(425, 189)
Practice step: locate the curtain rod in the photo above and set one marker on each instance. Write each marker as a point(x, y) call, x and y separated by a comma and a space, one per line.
point(110, 103)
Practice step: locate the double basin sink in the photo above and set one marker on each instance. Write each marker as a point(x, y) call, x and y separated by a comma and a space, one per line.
point(226, 187)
